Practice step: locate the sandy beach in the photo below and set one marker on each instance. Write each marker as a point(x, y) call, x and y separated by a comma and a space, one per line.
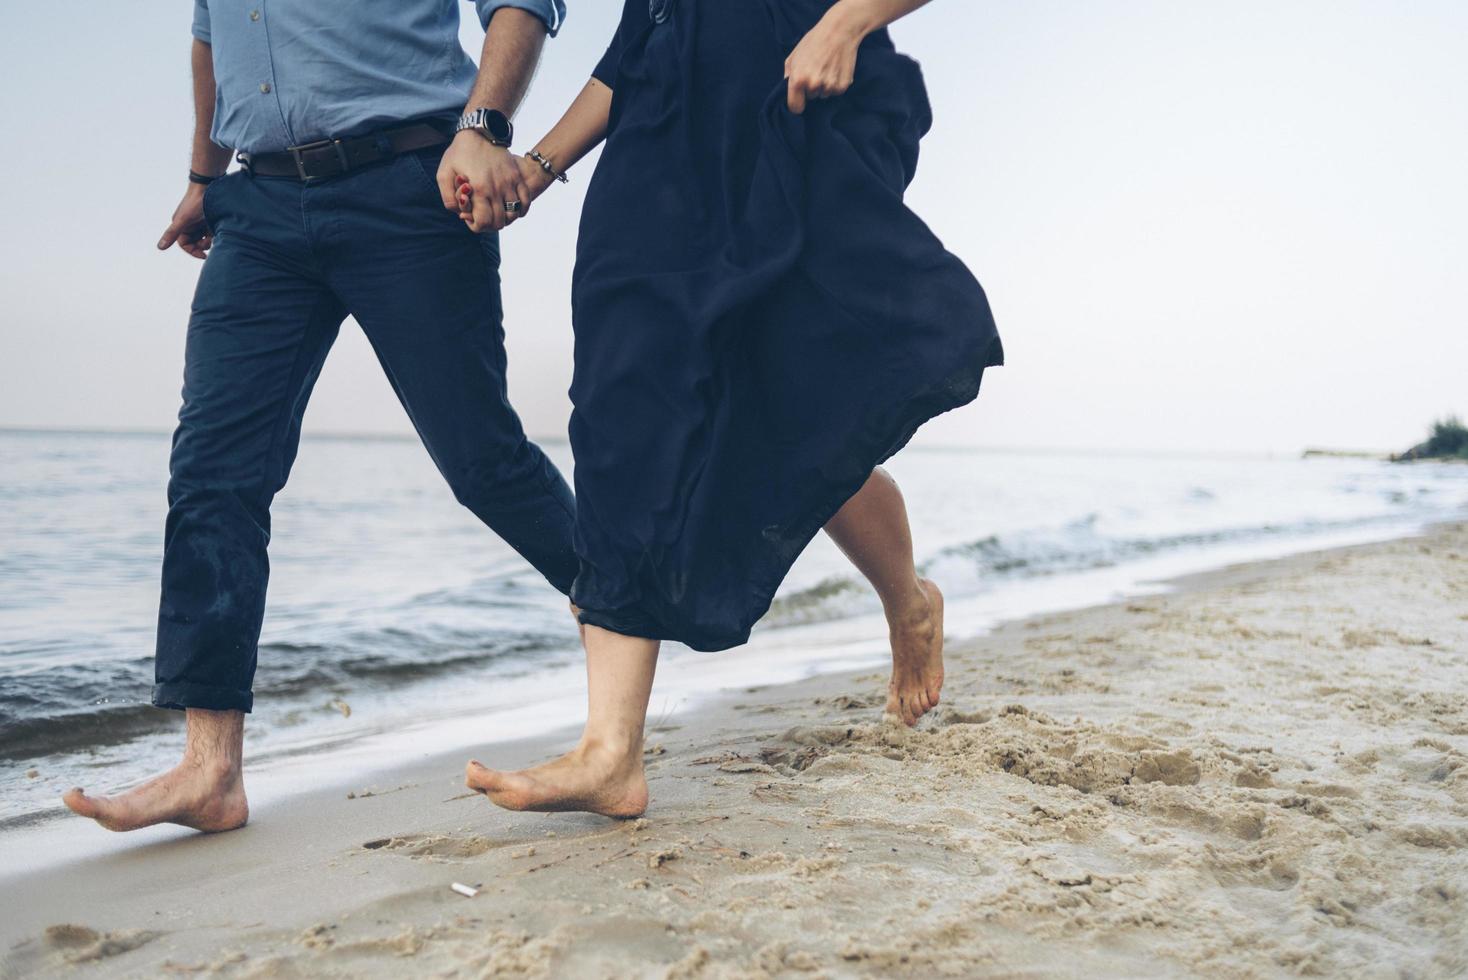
point(1262, 773)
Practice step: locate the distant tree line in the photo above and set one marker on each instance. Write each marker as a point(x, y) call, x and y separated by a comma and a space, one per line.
point(1448, 440)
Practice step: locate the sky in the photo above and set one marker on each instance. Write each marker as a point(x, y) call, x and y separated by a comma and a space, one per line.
point(1211, 226)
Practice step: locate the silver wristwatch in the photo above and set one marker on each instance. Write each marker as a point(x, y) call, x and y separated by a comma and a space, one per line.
point(492, 124)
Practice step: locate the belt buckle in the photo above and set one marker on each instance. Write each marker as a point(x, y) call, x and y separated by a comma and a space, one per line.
point(297, 152)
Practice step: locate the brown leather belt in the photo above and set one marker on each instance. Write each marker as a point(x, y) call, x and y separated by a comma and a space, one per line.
point(332, 158)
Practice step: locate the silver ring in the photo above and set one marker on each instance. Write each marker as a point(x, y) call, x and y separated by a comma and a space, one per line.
point(512, 207)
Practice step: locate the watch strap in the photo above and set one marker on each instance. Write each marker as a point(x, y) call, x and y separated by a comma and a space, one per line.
point(478, 120)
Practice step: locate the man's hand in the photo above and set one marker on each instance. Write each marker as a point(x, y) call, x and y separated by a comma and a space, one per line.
point(823, 64)
point(188, 227)
point(493, 177)
point(533, 175)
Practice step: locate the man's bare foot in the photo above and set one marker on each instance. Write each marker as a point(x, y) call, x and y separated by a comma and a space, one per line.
point(917, 656)
point(205, 797)
point(588, 778)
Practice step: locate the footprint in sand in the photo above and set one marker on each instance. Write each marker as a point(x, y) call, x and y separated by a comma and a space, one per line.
point(954, 716)
point(1172, 768)
point(83, 944)
point(446, 846)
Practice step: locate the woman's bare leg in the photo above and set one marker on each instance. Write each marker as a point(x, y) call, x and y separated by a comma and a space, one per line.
point(872, 530)
point(603, 773)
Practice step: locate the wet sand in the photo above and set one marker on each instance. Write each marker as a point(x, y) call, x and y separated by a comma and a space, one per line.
point(1264, 773)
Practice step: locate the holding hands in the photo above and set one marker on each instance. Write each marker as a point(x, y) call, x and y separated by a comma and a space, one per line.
point(488, 187)
point(483, 204)
point(483, 183)
point(533, 182)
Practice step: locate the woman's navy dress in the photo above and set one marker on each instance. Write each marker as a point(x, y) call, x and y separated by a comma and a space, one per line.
point(759, 319)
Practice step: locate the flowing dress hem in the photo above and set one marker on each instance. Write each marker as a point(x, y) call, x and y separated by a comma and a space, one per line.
point(880, 445)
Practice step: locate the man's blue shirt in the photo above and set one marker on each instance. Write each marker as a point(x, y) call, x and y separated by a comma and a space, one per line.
point(289, 72)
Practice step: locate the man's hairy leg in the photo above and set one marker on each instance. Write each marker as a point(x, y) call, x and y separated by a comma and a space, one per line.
point(205, 791)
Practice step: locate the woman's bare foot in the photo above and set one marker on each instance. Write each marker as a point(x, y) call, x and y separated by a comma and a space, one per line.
point(917, 655)
point(594, 779)
point(194, 794)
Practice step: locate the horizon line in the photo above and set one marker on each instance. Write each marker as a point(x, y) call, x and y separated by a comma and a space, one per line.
point(138, 432)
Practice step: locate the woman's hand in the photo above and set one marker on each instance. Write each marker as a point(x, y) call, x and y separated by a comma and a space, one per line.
point(533, 183)
point(534, 176)
point(823, 64)
point(491, 172)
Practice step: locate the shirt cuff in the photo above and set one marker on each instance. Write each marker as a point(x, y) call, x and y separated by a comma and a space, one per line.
point(552, 12)
point(201, 20)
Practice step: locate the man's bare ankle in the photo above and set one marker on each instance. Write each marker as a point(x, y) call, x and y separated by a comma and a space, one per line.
point(610, 747)
point(214, 769)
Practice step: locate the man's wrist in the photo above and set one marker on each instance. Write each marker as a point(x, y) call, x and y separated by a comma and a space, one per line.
point(492, 125)
point(471, 138)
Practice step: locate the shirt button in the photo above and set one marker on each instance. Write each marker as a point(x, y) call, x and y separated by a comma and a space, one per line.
point(264, 88)
point(254, 15)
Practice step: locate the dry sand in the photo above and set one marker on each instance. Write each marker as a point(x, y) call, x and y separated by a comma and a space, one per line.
point(1264, 774)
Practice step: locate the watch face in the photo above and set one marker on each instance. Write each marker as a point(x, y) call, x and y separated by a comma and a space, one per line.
point(497, 124)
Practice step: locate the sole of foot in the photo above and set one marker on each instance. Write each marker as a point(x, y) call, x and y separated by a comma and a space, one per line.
point(917, 659)
point(183, 796)
point(575, 782)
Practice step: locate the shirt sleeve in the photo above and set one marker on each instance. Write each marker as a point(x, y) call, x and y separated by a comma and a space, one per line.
point(201, 20)
point(553, 12)
point(606, 69)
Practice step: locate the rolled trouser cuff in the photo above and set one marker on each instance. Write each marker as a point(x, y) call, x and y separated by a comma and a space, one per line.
point(185, 694)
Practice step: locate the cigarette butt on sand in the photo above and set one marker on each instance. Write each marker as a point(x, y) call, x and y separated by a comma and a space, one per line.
point(468, 891)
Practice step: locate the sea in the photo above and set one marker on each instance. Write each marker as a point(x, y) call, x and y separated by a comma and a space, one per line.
point(397, 624)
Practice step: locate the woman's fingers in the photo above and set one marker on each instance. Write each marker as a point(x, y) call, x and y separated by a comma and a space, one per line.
point(466, 205)
point(485, 210)
point(795, 95)
point(803, 88)
point(463, 197)
point(473, 207)
point(822, 65)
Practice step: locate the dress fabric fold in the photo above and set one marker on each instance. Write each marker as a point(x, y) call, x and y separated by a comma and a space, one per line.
point(760, 320)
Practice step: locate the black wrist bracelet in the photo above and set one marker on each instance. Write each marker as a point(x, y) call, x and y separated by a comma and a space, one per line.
point(197, 178)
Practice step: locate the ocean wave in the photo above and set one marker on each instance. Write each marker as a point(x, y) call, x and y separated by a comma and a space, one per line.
point(1076, 546)
point(77, 707)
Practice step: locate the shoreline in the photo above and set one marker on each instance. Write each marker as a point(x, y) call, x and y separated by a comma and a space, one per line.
point(1102, 786)
point(686, 679)
point(397, 616)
